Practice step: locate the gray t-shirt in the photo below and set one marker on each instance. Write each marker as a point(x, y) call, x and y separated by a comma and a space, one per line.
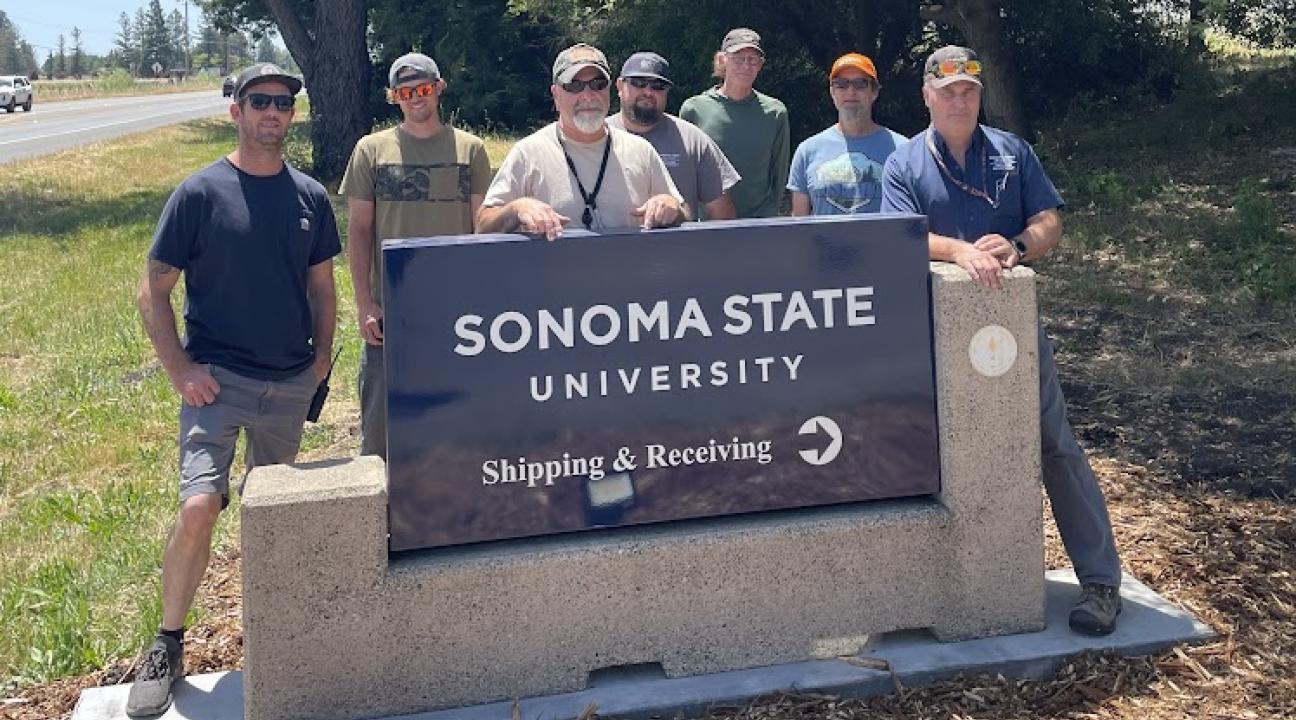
point(699, 168)
point(536, 168)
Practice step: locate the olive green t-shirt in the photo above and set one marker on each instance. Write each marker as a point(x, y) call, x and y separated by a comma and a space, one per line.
point(753, 133)
point(420, 187)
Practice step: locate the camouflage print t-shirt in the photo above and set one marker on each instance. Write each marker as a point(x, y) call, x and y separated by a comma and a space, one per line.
point(420, 187)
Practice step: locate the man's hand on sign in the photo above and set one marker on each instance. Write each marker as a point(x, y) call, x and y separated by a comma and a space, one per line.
point(537, 218)
point(370, 315)
point(999, 246)
point(194, 383)
point(984, 267)
point(660, 211)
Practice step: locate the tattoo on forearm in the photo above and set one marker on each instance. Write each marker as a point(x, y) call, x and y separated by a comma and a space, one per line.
point(158, 269)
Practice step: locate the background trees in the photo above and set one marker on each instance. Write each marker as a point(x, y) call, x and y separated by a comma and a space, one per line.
point(1042, 58)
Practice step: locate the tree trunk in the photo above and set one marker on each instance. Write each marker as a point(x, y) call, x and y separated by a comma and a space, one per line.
point(978, 20)
point(1197, 27)
point(334, 60)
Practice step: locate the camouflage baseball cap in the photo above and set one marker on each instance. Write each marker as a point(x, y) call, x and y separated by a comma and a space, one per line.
point(578, 56)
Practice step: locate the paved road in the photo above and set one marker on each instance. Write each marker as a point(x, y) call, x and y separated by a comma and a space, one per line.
point(59, 125)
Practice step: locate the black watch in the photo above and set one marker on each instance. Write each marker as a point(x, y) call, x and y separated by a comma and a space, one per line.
point(1020, 247)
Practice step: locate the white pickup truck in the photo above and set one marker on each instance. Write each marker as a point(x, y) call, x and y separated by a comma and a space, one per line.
point(15, 90)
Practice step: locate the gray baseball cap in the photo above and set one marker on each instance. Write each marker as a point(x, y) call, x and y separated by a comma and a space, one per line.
point(265, 72)
point(740, 38)
point(578, 56)
point(412, 66)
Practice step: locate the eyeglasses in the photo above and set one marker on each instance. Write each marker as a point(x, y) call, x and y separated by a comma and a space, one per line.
point(408, 93)
point(854, 83)
point(748, 60)
point(655, 84)
point(261, 101)
point(945, 68)
point(598, 84)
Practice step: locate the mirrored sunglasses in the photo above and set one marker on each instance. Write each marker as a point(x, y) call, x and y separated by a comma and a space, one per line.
point(261, 101)
point(408, 93)
point(598, 84)
point(946, 68)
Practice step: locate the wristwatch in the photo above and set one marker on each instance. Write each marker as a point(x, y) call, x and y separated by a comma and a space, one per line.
point(1020, 247)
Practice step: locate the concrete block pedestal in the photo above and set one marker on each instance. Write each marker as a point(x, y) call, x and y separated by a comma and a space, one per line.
point(335, 631)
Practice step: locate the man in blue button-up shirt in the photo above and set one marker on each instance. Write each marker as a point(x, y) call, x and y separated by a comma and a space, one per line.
point(989, 207)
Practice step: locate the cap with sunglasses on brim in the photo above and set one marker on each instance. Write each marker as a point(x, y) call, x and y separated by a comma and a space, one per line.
point(952, 64)
point(740, 38)
point(412, 66)
point(647, 65)
point(856, 61)
point(263, 73)
point(576, 58)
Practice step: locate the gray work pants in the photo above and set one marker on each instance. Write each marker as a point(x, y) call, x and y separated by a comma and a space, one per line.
point(1078, 505)
point(373, 402)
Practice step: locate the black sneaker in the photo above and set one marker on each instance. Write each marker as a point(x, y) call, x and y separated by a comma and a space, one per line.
point(1095, 613)
point(151, 693)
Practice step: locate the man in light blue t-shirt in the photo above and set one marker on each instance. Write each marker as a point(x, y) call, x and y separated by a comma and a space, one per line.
point(839, 171)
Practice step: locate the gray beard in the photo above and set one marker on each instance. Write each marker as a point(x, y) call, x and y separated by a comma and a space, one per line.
point(851, 114)
point(587, 121)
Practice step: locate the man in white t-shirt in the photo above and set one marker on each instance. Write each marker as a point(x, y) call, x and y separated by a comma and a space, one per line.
point(578, 171)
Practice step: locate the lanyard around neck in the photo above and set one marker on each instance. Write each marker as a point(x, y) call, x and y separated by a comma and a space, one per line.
point(591, 198)
point(985, 173)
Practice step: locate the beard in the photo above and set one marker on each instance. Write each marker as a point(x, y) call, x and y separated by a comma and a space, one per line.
point(267, 138)
point(645, 115)
point(852, 113)
point(588, 120)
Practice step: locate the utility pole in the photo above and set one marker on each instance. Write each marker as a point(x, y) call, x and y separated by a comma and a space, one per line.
point(188, 55)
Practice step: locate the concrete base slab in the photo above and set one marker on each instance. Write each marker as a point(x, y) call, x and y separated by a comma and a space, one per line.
point(1149, 623)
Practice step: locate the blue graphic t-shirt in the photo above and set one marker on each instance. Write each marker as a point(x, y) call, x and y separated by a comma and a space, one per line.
point(842, 175)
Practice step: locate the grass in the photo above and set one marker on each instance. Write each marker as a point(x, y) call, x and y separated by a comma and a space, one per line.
point(116, 84)
point(1170, 300)
point(87, 417)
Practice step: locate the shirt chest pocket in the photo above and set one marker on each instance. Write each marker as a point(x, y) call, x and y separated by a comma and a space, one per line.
point(1008, 217)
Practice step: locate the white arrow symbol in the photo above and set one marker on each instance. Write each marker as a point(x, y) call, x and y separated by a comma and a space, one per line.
point(825, 424)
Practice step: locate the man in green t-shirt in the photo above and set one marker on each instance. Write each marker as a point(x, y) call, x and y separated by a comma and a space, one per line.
point(749, 126)
point(418, 179)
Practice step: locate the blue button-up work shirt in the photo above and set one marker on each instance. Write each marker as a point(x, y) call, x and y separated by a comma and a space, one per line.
point(999, 163)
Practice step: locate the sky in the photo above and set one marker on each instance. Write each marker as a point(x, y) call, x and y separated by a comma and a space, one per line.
point(41, 21)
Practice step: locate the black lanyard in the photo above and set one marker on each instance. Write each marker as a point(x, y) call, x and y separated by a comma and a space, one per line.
point(591, 199)
point(985, 173)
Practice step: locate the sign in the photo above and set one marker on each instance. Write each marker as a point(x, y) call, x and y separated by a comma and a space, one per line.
point(599, 380)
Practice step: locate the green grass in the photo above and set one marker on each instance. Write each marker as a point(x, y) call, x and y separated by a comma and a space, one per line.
point(88, 420)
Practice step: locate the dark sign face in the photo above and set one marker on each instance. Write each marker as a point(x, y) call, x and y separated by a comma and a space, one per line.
point(540, 387)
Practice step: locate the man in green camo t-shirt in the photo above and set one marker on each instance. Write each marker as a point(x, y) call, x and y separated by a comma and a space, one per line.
point(749, 126)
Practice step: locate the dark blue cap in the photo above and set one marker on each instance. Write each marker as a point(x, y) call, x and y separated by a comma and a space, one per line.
point(646, 64)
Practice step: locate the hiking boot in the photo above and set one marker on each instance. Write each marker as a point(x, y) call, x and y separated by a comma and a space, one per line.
point(151, 693)
point(1096, 612)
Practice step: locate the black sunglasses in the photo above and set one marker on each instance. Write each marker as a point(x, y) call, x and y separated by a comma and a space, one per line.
point(655, 84)
point(598, 84)
point(261, 101)
point(856, 83)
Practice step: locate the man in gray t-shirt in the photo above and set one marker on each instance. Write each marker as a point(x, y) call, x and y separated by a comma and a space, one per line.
point(699, 168)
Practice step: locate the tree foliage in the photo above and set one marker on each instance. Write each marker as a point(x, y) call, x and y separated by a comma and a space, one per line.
point(1270, 23)
point(16, 54)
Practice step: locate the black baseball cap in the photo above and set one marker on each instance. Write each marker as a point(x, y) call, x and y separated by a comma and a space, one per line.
point(265, 72)
point(647, 64)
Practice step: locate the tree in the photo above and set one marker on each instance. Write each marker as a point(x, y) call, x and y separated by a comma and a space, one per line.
point(979, 21)
point(178, 37)
point(60, 61)
point(327, 41)
point(77, 66)
point(155, 40)
point(1271, 23)
point(266, 51)
point(125, 46)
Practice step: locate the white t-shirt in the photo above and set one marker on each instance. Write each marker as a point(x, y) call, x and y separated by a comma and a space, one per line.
point(536, 168)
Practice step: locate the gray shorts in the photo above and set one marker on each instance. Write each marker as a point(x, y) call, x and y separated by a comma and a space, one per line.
point(271, 412)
